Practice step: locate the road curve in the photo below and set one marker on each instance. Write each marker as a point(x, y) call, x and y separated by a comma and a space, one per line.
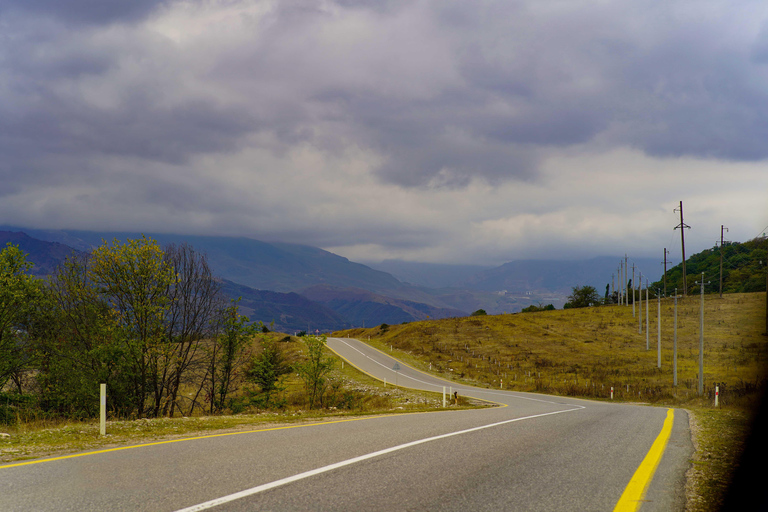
point(537, 452)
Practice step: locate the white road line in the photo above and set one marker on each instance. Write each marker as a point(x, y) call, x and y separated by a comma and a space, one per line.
point(277, 483)
point(456, 386)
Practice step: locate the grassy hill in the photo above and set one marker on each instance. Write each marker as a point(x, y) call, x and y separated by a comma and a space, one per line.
point(583, 352)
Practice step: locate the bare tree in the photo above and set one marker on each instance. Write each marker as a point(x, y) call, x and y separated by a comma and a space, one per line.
point(195, 304)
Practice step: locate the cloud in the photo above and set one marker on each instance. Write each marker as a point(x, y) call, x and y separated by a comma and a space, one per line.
point(438, 129)
point(85, 12)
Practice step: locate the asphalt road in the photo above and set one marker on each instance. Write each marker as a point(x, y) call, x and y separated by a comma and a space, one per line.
point(537, 452)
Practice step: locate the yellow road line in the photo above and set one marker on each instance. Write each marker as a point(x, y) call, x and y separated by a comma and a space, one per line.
point(85, 454)
point(632, 497)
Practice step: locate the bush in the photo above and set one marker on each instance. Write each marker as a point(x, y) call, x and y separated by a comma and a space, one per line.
point(534, 309)
point(479, 312)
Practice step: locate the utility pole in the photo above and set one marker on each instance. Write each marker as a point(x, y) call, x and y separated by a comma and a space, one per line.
point(626, 273)
point(682, 228)
point(721, 258)
point(674, 350)
point(658, 326)
point(634, 286)
point(647, 318)
point(640, 312)
point(701, 337)
point(619, 285)
point(665, 271)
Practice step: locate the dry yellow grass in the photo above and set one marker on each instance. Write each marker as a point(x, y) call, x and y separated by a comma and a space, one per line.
point(583, 352)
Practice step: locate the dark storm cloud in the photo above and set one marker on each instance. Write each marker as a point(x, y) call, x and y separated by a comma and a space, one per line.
point(85, 12)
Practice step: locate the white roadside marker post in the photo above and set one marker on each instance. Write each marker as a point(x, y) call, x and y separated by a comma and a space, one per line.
point(443, 396)
point(717, 395)
point(103, 409)
point(611, 392)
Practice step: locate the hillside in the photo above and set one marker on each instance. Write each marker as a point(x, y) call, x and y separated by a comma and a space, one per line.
point(583, 352)
point(361, 307)
point(45, 256)
point(537, 276)
point(744, 268)
point(284, 312)
point(429, 275)
point(265, 266)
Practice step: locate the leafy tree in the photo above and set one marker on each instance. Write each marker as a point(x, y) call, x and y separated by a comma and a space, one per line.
point(134, 279)
point(228, 355)
point(582, 297)
point(479, 312)
point(79, 345)
point(19, 291)
point(266, 369)
point(314, 370)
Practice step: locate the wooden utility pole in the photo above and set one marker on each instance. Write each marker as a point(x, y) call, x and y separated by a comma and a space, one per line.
point(721, 258)
point(682, 228)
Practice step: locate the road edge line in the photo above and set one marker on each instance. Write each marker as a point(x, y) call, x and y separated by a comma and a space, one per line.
point(633, 494)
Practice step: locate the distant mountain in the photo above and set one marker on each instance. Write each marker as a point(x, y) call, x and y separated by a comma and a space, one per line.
point(430, 289)
point(362, 307)
point(286, 312)
point(538, 276)
point(431, 275)
point(266, 266)
point(45, 256)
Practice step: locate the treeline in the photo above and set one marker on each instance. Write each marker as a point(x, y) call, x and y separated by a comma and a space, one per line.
point(744, 268)
point(148, 321)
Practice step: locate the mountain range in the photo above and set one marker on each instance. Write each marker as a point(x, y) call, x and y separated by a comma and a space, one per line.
point(298, 287)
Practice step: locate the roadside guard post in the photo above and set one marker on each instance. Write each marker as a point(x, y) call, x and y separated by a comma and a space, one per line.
point(103, 409)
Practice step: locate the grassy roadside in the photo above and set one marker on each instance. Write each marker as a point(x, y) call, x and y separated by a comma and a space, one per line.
point(718, 437)
point(49, 438)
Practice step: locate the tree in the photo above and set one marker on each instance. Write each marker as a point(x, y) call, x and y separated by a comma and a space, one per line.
point(228, 355)
point(314, 369)
point(266, 369)
point(134, 279)
point(479, 312)
point(79, 346)
point(582, 297)
point(19, 291)
point(533, 309)
point(194, 306)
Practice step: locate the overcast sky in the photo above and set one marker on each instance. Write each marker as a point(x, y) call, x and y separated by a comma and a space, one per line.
point(438, 131)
